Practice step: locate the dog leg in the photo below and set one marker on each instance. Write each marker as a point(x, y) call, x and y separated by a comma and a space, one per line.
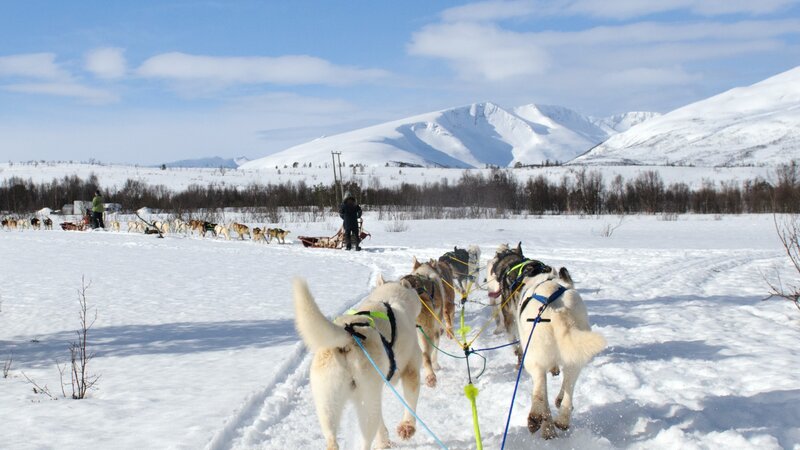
point(370, 416)
point(407, 427)
point(330, 396)
point(539, 416)
point(427, 349)
point(510, 324)
point(564, 399)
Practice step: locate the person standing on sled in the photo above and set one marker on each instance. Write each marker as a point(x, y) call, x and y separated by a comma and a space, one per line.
point(350, 212)
point(97, 211)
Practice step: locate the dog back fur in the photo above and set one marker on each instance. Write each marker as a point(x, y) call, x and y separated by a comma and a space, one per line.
point(568, 338)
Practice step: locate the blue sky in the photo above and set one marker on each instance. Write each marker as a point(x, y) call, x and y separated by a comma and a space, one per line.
point(154, 81)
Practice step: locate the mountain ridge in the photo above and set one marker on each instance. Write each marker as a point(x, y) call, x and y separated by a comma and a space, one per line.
point(468, 136)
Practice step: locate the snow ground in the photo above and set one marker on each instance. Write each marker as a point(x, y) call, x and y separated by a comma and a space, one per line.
point(196, 346)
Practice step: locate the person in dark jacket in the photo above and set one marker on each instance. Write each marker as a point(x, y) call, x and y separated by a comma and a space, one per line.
point(350, 212)
point(97, 210)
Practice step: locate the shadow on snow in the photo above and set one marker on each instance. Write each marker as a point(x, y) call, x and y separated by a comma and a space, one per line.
point(167, 338)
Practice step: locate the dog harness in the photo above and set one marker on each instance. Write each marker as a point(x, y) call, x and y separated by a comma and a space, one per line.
point(525, 268)
point(545, 301)
point(388, 346)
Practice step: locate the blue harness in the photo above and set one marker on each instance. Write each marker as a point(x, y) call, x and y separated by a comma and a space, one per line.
point(545, 301)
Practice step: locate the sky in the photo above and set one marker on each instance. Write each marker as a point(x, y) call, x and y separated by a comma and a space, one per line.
point(148, 82)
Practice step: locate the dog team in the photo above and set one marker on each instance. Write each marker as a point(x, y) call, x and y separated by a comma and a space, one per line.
point(202, 228)
point(34, 223)
point(401, 323)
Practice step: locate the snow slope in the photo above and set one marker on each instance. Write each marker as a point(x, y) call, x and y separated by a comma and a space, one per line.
point(753, 125)
point(196, 347)
point(467, 136)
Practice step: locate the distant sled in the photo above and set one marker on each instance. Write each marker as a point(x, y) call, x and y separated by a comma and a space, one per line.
point(336, 241)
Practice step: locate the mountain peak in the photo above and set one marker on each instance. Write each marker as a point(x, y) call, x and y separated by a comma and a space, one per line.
point(467, 136)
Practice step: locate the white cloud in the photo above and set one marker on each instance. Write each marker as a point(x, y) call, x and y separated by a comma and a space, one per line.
point(626, 9)
point(284, 70)
point(481, 51)
point(31, 65)
point(490, 11)
point(494, 10)
point(64, 89)
point(107, 62)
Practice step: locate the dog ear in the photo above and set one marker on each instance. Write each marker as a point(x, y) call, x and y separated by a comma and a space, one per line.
point(519, 247)
point(416, 264)
point(380, 281)
point(564, 275)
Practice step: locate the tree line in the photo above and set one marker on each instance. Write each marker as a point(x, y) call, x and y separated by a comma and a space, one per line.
point(582, 191)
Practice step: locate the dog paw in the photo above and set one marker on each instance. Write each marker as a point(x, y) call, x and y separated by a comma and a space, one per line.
point(548, 430)
point(534, 423)
point(562, 424)
point(430, 380)
point(406, 430)
point(384, 444)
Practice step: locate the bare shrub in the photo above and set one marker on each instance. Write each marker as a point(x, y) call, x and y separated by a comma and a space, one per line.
point(609, 229)
point(668, 217)
point(80, 356)
point(788, 232)
point(37, 389)
point(397, 225)
point(7, 365)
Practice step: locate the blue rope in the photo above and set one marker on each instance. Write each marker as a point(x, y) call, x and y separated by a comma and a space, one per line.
point(495, 348)
point(519, 373)
point(358, 341)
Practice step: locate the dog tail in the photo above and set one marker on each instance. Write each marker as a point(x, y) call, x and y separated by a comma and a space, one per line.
point(316, 330)
point(577, 347)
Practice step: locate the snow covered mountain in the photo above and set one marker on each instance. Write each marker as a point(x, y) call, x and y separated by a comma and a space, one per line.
point(212, 163)
point(753, 125)
point(463, 137)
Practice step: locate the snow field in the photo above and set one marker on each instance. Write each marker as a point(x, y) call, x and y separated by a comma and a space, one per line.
point(196, 345)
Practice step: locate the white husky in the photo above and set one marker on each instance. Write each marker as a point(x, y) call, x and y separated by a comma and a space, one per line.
point(565, 342)
point(340, 371)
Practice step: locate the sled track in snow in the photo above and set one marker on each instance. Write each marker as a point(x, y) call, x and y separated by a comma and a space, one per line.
point(265, 408)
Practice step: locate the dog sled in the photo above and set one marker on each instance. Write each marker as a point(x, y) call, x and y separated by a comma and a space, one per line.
point(335, 242)
point(83, 225)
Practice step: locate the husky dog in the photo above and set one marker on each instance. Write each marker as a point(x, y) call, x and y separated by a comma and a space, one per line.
point(565, 342)
point(241, 230)
point(431, 320)
point(505, 276)
point(48, 223)
point(458, 260)
point(278, 234)
point(222, 230)
point(446, 274)
point(340, 371)
point(258, 235)
point(115, 225)
point(474, 261)
point(36, 224)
